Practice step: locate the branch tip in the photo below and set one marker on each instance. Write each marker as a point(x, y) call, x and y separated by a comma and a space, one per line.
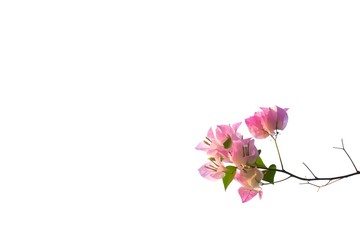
point(343, 148)
point(310, 170)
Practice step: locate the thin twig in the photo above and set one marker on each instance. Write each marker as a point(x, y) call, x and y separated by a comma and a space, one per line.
point(278, 151)
point(310, 170)
point(321, 186)
point(343, 148)
point(309, 183)
point(277, 181)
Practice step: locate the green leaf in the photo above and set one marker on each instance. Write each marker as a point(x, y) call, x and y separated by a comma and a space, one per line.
point(259, 163)
point(269, 175)
point(229, 176)
point(227, 143)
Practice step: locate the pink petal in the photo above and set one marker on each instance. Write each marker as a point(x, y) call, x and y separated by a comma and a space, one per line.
point(246, 194)
point(238, 177)
point(202, 146)
point(210, 134)
point(253, 152)
point(236, 154)
point(255, 127)
point(269, 119)
point(223, 132)
point(208, 173)
point(236, 126)
point(217, 175)
point(205, 172)
point(282, 118)
point(250, 178)
point(240, 155)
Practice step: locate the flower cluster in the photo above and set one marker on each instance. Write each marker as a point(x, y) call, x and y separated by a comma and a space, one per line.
point(231, 156)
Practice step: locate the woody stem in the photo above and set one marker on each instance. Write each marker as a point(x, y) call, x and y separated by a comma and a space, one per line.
point(311, 179)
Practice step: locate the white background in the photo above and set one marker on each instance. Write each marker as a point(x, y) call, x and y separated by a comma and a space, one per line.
point(103, 102)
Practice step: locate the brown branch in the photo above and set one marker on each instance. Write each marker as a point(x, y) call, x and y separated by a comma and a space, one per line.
point(311, 179)
point(308, 180)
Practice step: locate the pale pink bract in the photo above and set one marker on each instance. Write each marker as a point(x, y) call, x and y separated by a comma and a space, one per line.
point(212, 171)
point(247, 194)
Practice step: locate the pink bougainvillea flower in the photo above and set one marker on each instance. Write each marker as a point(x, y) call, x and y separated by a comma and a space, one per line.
point(250, 179)
point(267, 121)
point(212, 171)
point(223, 132)
point(244, 152)
point(275, 118)
point(214, 145)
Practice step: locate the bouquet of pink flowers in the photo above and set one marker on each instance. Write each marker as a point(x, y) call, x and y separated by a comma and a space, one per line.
point(231, 156)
